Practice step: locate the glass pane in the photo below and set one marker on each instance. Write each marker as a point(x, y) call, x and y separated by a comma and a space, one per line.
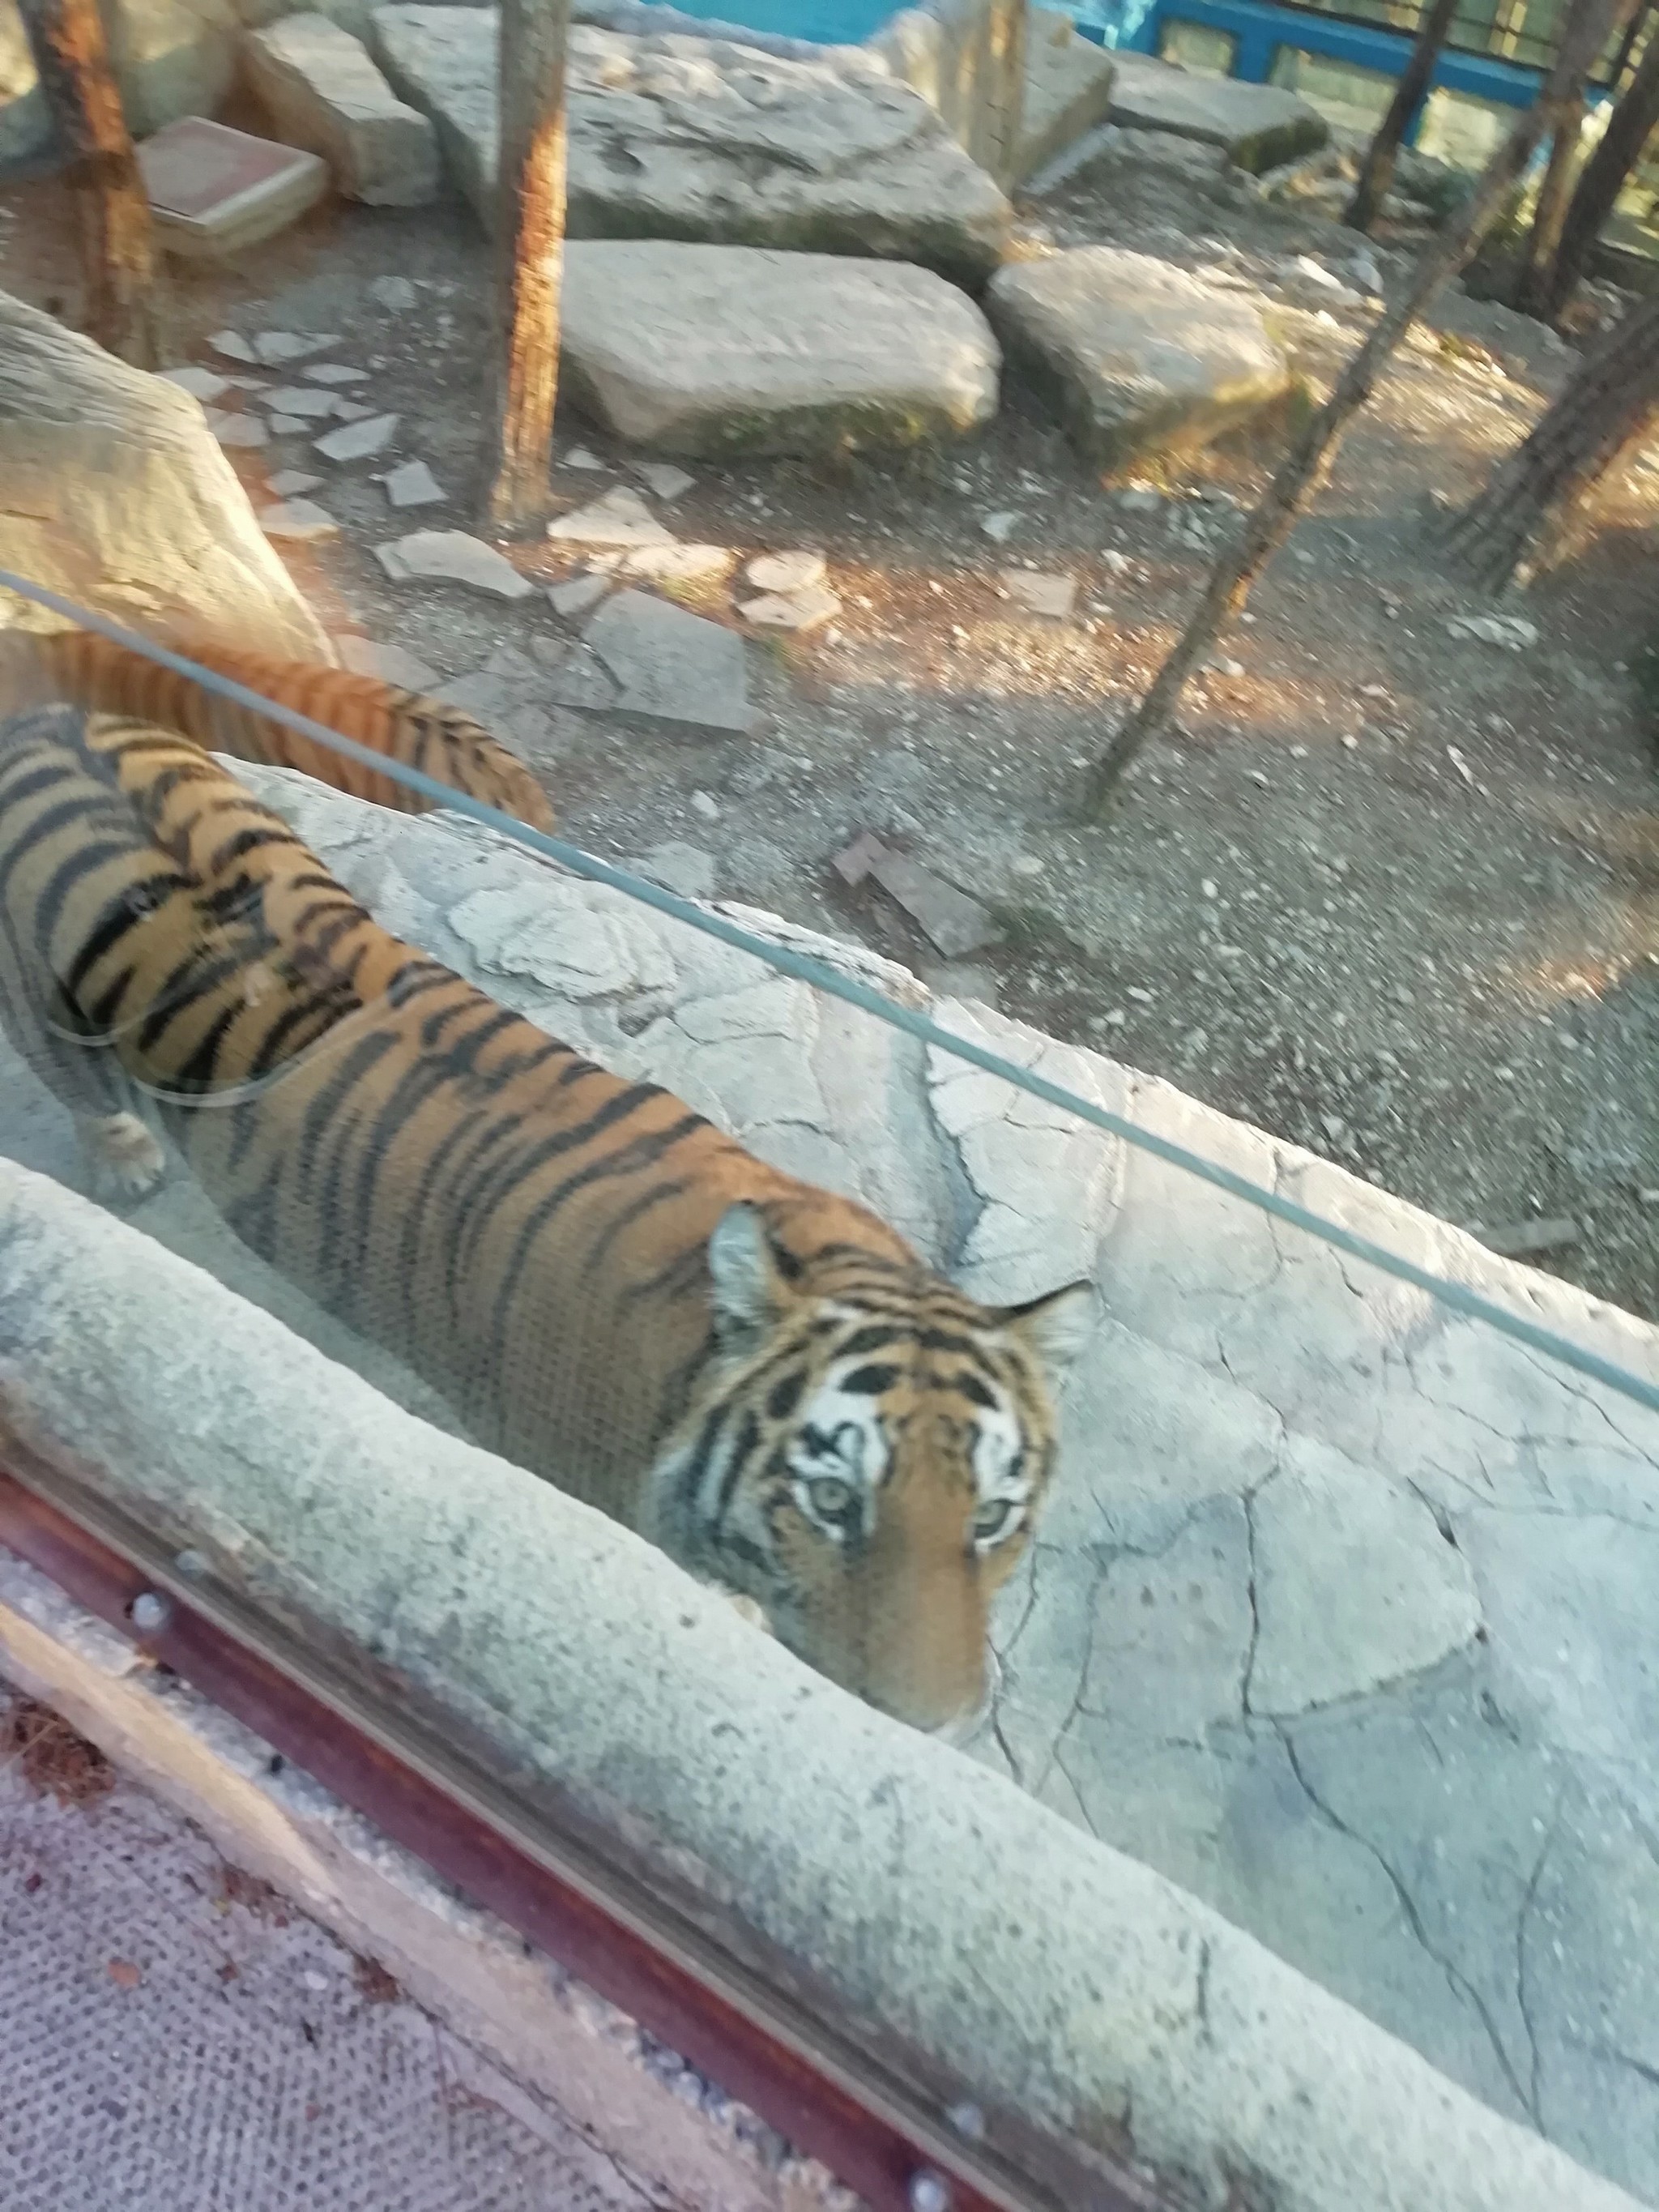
point(1352, 98)
point(1197, 47)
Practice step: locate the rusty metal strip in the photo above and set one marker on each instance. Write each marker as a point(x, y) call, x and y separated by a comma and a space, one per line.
point(859, 2138)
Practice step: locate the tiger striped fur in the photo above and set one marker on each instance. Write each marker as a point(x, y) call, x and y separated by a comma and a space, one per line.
point(443, 741)
point(760, 1376)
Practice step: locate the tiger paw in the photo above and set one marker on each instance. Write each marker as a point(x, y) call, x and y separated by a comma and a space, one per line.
point(124, 1156)
point(746, 1608)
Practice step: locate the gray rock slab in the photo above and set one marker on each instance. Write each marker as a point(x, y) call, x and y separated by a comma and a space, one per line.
point(796, 570)
point(234, 431)
point(324, 93)
point(1069, 88)
point(299, 521)
point(413, 485)
point(672, 665)
point(1137, 357)
point(694, 138)
point(664, 481)
point(307, 401)
point(578, 595)
point(710, 349)
point(955, 924)
point(332, 371)
point(1259, 126)
point(278, 349)
point(396, 294)
point(358, 441)
point(391, 662)
point(451, 556)
point(291, 483)
point(621, 517)
point(115, 493)
point(803, 610)
point(203, 384)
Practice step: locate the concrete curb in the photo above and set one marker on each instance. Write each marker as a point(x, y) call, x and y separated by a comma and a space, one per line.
point(1075, 1993)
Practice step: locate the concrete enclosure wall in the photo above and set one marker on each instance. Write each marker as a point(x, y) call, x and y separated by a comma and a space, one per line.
point(824, 1846)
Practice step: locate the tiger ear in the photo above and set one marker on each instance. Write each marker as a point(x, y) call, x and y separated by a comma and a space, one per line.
point(1055, 1327)
point(747, 1274)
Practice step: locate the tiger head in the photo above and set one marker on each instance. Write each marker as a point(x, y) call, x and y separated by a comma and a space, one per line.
point(868, 1459)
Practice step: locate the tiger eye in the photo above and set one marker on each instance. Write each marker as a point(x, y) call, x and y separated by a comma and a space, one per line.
point(829, 1497)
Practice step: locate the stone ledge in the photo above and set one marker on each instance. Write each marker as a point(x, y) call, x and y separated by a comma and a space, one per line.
point(1115, 2010)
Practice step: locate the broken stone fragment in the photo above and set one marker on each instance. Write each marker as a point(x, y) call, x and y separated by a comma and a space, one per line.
point(451, 557)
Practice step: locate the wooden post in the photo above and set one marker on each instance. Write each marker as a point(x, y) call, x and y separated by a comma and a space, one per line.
point(1308, 464)
point(530, 247)
point(125, 300)
point(1376, 174)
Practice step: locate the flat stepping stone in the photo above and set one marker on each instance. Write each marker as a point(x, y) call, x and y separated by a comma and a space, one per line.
point(1137, 357)
point(682, 137)
point(391, 663)
point(579, 595)
point(792, 571)
point(663, 480)
point(671, 664)
point(356, 441)
point(289, 483)
point(299, 521)
point(621, 517)
point(278, 349)
point(801, 610)
point(716, 349)
point(1258, 126)
point(412, 484)
point(326, 94)
point(450, 556)
point(203, 384)
point(333, 372)
point(309, 400)
point(234, 430)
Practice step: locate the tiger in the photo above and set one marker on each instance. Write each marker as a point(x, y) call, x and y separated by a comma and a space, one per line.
point(757, 1375)
point(444, 742)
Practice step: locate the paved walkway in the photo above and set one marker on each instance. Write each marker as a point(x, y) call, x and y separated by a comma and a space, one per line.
point(174, 2036)
point(1344, 1615)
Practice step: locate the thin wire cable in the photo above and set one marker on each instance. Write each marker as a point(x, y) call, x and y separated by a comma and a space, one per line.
point(1457, 1296)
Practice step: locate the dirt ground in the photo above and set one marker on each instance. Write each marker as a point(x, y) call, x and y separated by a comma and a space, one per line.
point(1390, 894)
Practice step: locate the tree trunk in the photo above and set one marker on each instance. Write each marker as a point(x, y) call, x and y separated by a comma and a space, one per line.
point(530, 245)
point(125, 300)
point(1308, 463)
point(1377, 172)
point(1635, 116)
point(1544, 241)
point(1534, 497)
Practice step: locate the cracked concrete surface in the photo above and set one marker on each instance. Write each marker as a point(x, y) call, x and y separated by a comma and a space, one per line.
point(1342, 1613)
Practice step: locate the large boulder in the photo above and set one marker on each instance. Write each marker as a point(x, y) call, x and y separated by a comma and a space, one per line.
point(718, 348)
point(324, 93)
point(171, 57)
point(695, 138)
point(114, 492)
point(1258, 126)
point(1068, 89)
point(1137, 357)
